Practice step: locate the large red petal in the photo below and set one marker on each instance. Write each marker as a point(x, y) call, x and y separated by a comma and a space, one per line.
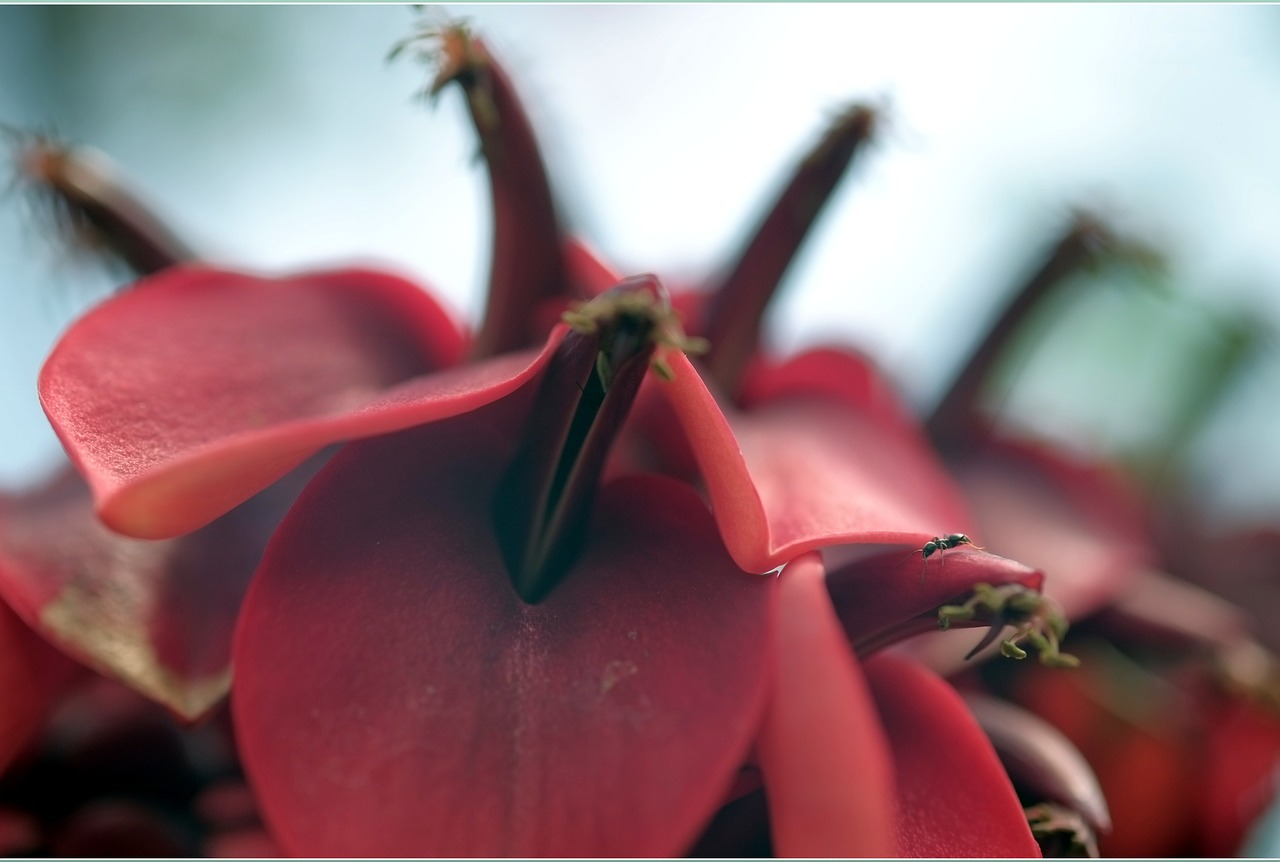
point(394, 696)
point(156, 614)
point(1075, 521)
point(826, 764)
point(803, 470)
point(32, 676)
point(197, 388)
point(954, 797)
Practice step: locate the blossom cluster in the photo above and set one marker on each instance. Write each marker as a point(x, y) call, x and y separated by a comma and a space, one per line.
point(597, 576)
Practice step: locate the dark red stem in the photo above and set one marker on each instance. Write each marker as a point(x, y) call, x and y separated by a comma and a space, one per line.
point(953, 420)
point(98, 205)
point(737, 304)
point(527, 267)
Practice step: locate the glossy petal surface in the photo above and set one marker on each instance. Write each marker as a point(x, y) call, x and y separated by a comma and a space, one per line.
point(802, 469)
point(954, 798)
point(197, 388)
point(822, 750)
point(395, 697)
point(156, 614)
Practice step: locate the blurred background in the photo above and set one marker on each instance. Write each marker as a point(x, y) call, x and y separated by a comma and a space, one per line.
point(278, 138)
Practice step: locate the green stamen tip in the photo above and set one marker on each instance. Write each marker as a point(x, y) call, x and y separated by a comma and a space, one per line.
point(1037, 621)
point(1009, 649)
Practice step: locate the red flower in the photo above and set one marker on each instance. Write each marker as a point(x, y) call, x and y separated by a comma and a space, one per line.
point(455, 645)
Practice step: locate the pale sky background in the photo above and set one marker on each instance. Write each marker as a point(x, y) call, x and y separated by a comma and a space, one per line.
point(277, 138)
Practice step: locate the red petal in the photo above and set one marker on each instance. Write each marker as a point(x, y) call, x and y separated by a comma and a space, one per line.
point(1238, 780)
point(198, 388)
point(157, 615)
point(954, 798)
point(394, 696)
point(822, 750)
point(32, 676)
point(1076, 522)
point(587, 269)
point(889, 594)
point(801, 471)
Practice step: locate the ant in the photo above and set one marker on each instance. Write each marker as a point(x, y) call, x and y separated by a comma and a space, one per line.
point(938, 544)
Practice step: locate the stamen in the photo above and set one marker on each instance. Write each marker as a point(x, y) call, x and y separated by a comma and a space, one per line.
point(1037, 620)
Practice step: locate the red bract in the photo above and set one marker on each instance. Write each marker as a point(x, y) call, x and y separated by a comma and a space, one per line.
point(822, 749)
point(956, 798)
point(441, 715)
point(197, 388)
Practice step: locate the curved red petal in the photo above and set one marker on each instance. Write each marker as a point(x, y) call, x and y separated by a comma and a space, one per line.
point(826, 765)
point(801, 471)
point(158, 615)
point(394, 696)
point(883, 592)
point(1077, 522)
point(954, 798)
point(197, 388)
point(32, 676)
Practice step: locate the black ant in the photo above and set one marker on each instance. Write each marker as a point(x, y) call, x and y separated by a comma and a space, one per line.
point(938, 544)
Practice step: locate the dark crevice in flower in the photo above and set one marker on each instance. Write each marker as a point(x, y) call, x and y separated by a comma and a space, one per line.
point(1038, 622)
point(545, 497)
point(527, 266)
point(737, 304)
point(1042, 763)
point(1061, 833)
point(95, 207)
point(1085, 244)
